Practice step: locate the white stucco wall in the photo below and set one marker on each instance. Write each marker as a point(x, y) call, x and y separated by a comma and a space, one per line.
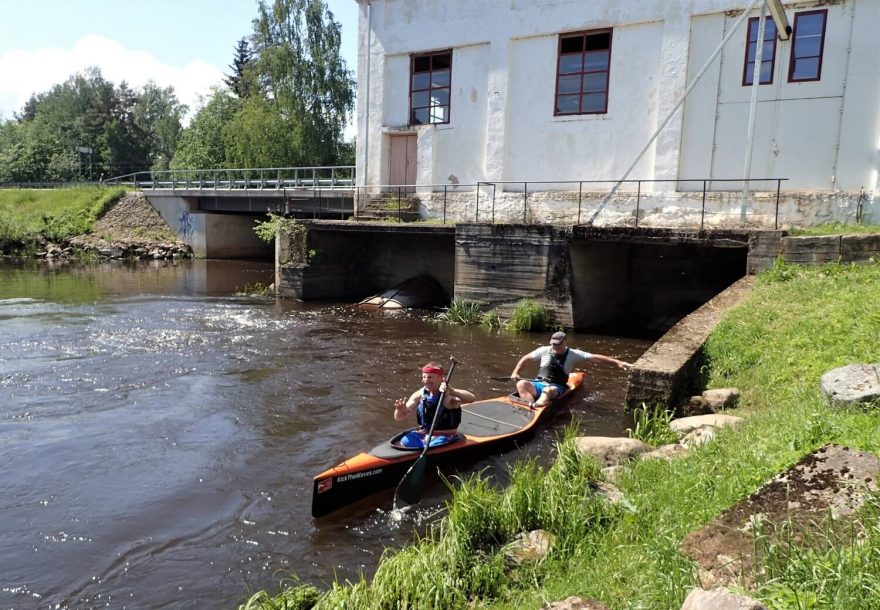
point(822, 136)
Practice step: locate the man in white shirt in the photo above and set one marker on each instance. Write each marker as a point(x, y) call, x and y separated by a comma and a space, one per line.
point(555, 362)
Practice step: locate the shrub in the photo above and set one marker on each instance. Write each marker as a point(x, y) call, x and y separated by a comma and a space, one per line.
point(529, 316)
point(463, 313)
point(652, 426)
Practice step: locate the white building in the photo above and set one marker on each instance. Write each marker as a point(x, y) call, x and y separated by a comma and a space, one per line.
point(559, 93)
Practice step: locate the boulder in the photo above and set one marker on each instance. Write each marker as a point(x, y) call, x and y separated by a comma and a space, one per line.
point(721, 398)
point(529, 547)
point(611, 451)
point(575, 603)
point(719, 599)
point(855, 383)
point(684, 425)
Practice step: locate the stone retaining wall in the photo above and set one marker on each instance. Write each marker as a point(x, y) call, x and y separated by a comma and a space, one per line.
point(669, 372)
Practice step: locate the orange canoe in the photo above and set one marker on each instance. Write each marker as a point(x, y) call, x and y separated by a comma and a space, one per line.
point(485, 426)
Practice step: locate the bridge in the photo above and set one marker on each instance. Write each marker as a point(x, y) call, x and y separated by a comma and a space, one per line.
point(214, 210)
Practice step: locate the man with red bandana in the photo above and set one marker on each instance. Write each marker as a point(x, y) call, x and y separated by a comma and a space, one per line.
point(425, 402)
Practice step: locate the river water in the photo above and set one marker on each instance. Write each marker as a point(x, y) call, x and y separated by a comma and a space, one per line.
point(159, 434)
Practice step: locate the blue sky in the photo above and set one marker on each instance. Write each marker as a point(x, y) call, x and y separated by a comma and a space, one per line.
point(187, 44)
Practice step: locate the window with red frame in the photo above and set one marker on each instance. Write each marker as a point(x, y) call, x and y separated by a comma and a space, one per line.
point(768, 54)
point(808, 42)
point(430, 84)
point(582, 73)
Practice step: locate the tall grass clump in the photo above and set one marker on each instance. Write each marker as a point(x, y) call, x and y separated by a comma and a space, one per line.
point(462, 313)
point(651, 425)
point(529, 315)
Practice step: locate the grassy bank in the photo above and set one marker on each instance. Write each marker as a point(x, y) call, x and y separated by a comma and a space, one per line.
point(30, 217)
point(797, 324)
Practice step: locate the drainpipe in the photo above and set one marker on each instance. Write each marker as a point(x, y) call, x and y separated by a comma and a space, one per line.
point(753, 104)
point(367, 100)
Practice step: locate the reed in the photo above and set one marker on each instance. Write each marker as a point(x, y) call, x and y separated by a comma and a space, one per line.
point(529, 316)
point(462, 313)
point(651, 425)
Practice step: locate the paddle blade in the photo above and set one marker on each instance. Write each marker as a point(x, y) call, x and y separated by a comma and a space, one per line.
point(410, 488)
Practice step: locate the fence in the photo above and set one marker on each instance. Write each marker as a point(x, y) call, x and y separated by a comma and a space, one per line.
point(270, 178)
point(693, 203)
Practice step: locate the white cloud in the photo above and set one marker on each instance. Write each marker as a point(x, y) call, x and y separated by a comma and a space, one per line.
point(25, 72)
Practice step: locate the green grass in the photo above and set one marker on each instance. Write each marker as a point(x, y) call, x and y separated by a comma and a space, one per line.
point(651, 425)
point(462, 313)
point(28, 216)
point(797, 324)
point(834, 229)
point(529, 316)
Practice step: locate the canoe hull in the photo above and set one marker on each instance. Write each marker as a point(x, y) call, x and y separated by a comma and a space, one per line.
point(487, 426)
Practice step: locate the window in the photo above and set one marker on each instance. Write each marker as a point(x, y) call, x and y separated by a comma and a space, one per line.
point(808, 40)
point(582, 73)
point(768, 53)
point(430, 84)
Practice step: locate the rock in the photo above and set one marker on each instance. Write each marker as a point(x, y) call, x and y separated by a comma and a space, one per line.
point(529, 547)
point(699, 436)
point(855, 383)
point(667, 452)
point(719, 599)
point(611, 451)
point(575, 603)
point(697, 405)
point(831, 481)
point(717, 420)
point(721, 398)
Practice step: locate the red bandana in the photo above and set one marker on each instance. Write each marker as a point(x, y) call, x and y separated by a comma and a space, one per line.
point(432, 370)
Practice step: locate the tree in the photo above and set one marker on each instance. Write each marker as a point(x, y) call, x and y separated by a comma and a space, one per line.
point(201, 144)
point(303, 75)
point(241, 81)
point(157, 113)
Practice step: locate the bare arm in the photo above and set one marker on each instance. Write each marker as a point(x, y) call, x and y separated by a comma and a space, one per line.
point(402, 408)
point(610, 360)
point(519, 365)
point(455, 397)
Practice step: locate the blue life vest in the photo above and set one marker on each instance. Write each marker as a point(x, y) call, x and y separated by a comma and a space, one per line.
point(448, 419)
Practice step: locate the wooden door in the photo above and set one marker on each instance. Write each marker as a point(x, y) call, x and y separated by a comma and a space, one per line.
point(402, 168)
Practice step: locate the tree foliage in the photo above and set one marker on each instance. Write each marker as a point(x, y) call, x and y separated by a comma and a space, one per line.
point(290, 96)
point(86, 128)
point(241, 81)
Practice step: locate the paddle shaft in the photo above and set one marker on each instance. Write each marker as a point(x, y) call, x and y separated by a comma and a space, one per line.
point(410, 486)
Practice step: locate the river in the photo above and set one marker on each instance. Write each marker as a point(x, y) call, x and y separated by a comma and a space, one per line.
point(159, 434)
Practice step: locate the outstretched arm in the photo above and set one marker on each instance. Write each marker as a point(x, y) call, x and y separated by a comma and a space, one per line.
point(610, 360)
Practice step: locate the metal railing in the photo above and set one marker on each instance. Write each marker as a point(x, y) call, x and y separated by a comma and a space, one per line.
point(707, 186)
point(262, 178)
point(574, 198)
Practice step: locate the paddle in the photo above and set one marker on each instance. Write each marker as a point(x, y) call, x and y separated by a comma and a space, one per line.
point(508, 378)
point(410, 487)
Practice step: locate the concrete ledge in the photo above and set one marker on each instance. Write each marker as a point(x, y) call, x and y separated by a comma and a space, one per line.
point(667, 373)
